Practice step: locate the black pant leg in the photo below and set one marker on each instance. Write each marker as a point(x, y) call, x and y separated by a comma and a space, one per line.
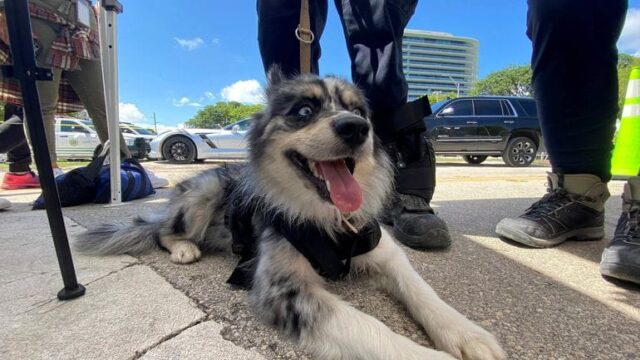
point(575, 80)
point(13, 140)
point(373, 31)
point(277, 21)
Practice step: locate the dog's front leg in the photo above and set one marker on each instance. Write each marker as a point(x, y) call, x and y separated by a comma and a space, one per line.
point(288, 294)
point(449, 330)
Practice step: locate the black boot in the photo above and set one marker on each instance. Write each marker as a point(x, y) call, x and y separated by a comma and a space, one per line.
point(414, 222)
point(416, 225)
point(621, 258)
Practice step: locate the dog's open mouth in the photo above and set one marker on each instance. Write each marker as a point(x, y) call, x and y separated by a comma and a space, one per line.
point(333, 180)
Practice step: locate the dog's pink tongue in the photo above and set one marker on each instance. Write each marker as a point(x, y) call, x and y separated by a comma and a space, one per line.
point(344, 189)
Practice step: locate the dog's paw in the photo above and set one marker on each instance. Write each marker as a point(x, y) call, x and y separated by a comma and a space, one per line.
point(185, 252)
point(468, 341)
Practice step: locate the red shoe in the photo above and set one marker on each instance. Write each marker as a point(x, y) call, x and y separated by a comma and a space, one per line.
point(20, 181)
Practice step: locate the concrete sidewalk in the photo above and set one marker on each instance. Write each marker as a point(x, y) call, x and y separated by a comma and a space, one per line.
point(541, 304)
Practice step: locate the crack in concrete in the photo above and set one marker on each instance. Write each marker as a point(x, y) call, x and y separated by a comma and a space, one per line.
point(140, 353)
point(114, 272)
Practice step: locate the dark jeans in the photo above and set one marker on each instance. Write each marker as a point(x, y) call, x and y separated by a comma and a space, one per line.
point(373, 31)
point(13, 141)
point(575, 80)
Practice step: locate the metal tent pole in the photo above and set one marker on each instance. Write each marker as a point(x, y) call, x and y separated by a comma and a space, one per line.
point(25, 70)
point(109, 53)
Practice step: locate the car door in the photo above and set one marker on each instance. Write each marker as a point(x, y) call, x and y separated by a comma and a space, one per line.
point(453, 126)
point(63, 134)
point(84, 139)
point(494, 117)
point(232, 142)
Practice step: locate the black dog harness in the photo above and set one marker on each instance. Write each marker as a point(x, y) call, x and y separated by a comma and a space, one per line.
point(330, 258)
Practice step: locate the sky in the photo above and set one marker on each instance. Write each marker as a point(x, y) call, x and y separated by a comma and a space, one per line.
point(177, 56)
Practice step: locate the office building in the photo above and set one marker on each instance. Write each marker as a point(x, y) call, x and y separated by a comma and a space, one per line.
point(438, 63)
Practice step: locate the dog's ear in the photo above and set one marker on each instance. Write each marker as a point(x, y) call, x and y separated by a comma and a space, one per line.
point(275, 76)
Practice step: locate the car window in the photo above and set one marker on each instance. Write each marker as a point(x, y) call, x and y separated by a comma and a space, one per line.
point(88, 124)
point(459, 108)
point(506, 108)
point(142, 131)
point(436, 106)
point(127, 131)
point(487, 107)
point(530, 107)
point(243, 124)
point(67, 126)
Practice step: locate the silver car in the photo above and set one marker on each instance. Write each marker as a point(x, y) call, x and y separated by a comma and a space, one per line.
point(182, 146)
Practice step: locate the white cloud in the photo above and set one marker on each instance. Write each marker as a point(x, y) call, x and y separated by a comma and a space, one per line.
point(215, 41)
point(244, 91)
point(209, 95)
point(130, 112)
point(190, 44)
point(630, 37)
point(185, 101)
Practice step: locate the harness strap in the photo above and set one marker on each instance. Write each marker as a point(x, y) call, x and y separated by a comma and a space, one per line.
point(305, 36)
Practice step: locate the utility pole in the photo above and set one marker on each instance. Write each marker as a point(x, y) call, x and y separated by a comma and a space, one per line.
point(155, 123)
point(457, 84)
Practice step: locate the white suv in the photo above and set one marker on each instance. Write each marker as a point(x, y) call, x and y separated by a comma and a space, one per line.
point(77, 139)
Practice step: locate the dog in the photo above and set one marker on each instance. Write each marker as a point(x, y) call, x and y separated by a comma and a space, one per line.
point(315, 180)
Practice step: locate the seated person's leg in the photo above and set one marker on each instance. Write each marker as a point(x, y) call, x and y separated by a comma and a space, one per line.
point(14, 142)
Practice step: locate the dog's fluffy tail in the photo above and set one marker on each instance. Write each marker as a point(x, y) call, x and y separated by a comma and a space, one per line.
point(137, 238)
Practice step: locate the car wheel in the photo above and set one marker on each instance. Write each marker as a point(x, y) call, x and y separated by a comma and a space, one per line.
point(474, 159)
point(179, 150)
point(520, 152)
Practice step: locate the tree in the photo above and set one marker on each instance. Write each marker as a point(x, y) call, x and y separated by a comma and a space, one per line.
point(512, 81)
point(437, 96)
point(625, 64)
point(222, 113)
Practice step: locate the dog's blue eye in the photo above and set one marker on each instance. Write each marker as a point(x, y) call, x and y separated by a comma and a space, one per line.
point(305, 111)
point(357, 112)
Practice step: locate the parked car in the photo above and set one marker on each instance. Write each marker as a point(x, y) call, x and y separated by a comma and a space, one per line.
point(188, 145)
point(483, 126)
point(133, 129)
point(77, 139)
point(131, 132)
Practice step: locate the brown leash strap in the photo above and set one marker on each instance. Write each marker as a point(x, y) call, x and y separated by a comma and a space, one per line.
point(306, 37)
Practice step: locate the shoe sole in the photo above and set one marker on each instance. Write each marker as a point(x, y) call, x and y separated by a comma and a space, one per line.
point(619, 271)
point(438, 239)
point(586, 234)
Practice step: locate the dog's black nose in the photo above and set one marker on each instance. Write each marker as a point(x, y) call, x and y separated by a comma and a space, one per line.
point(352, 130)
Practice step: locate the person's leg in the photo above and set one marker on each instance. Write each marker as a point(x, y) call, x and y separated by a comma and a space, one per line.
point(13, 140)
point(576, 88)
point(14, 143)
point(88, 85)
point(46, 32)
point(277, 21)
point(373, 31)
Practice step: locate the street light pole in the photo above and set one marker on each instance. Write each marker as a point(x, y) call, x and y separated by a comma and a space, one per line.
point(457, 84)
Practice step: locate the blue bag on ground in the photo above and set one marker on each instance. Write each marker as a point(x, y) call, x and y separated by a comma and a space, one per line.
point(76, 187)
point(135, 182)
point(92, 183)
